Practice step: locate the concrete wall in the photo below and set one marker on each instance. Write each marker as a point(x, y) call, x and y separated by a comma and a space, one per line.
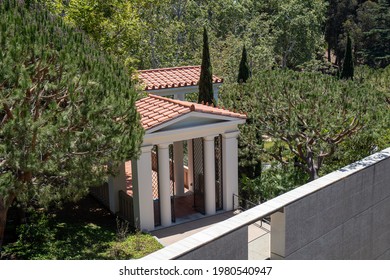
point(347, 217)
point(227, 240)
point(233, 246)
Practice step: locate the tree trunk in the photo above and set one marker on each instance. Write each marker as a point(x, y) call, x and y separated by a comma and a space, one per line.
point(312, 167)
point(3, 220)
point(4, 205)
point(313, 174)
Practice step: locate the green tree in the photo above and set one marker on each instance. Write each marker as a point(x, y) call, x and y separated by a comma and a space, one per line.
point(250, 141)
point(206, 94)
point(243, 72)
point(115, 25)
point(374, 21)
point(308, 115)
point(377, 136)
point(67, 109)
point(274, 181)
point(297, 25)
point(338, 12)
point(348, 70)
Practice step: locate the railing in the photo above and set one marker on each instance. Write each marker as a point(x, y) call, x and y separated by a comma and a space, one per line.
point(126, 210)
point(244, 204)
point(101, 193)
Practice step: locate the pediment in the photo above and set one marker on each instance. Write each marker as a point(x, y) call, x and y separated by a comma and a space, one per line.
point(191, 120)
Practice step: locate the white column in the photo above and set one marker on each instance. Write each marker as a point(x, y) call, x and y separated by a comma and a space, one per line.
point(143, 189)
point(190, 151)
point(209, 176)
point(164, 184)
point(178, 167)
point(230, 168)
point(116, 184)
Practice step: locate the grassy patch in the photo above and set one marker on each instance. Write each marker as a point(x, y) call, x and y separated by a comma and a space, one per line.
point(268, 144)
point(133, 247)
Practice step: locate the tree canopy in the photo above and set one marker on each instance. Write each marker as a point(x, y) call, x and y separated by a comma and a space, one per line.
point(307, 115)
point(367, 22)
point(67, 109)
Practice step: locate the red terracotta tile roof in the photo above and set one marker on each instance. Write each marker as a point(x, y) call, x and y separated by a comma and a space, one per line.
point(172, 77)
point(155, 110)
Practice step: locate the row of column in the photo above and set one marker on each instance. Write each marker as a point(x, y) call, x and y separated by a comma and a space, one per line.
point(142, 178)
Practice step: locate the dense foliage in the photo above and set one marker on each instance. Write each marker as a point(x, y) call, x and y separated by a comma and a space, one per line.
point(67, 109)
point(51, 236)
point(152, 34)
point(306, 117)
point(368, 23)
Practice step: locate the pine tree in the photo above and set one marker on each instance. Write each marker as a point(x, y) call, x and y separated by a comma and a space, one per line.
point(206, 94)
point(244, 72)
point(66, 110)
point(376, 39)
point(348, 71)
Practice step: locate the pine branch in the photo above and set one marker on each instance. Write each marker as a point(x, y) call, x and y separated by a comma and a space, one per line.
point(8, 113)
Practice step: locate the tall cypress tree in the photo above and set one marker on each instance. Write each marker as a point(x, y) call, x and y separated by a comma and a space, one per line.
point(243, 72)
point(347, 71)
point(206, 77)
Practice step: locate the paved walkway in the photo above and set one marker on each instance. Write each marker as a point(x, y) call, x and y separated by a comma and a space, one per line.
point(258, 236)
point(188, 226)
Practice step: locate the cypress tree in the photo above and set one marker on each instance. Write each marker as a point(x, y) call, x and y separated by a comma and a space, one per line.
point(347, 71)
point(206, 93)
point(244, 72)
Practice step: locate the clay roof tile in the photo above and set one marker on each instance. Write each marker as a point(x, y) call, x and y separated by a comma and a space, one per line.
point(172, 77)
point(155, 110)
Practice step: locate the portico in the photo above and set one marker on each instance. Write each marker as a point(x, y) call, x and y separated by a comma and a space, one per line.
point(188, 155)
point(206, 136)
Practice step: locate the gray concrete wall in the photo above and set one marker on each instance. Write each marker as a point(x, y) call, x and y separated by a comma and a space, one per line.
point(347, 218)
point(233, 246)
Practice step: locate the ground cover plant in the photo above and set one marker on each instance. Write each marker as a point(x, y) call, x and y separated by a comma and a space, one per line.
point(79, 231)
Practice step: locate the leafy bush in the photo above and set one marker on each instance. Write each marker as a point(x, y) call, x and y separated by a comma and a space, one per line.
point(274, 181)
point(43, 237)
